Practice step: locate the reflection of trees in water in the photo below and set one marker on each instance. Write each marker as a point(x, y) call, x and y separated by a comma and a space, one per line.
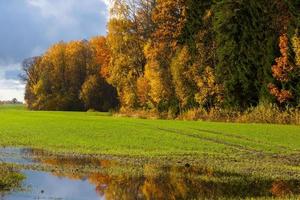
point(166, 182)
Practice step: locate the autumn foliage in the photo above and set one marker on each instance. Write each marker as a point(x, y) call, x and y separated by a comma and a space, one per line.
point(283, 67)
point(70, 76)
point(285, 71)
point(172, 56)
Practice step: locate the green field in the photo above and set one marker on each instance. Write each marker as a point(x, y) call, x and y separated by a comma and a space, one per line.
point(244, 146)
point(103, 134)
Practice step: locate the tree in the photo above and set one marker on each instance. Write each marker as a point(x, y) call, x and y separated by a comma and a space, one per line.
point(168, 18)
point(296, 48)
point(31, 70)
point(68, 77)
point(126, 64)
point(286, 72)
point(143, 92)
point(78, 58)
point(183, 84)
point(244, 50)
point(101, 56)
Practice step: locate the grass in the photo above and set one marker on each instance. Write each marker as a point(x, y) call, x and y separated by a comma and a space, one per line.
point(99, 133)
point(9, 179)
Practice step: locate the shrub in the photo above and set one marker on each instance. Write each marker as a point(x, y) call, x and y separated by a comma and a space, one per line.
point(263, 113)
point(270, 114)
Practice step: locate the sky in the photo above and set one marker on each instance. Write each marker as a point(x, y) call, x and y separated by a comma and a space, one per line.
point(29, 27)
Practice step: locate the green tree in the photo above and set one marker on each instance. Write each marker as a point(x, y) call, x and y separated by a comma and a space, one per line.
point(244, 49)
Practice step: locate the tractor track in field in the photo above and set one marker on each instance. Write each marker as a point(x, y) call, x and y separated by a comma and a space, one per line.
point(290, 159)
point(243, 138)
point(216, 141)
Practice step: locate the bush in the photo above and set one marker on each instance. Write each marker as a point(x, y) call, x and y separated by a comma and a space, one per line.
point(143, 114)
point(213, 114)
point(269, 113)
point(9, 178)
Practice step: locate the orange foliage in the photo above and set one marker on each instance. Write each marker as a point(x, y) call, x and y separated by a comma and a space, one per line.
point(281, 95)
point(101, 53)
point(281, 71)
point(282, 68)
point(143, 90)
point(170, 17)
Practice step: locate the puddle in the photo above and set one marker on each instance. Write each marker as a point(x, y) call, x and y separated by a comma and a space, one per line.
point(43, 185)
point(15, 156)
point(71, 177)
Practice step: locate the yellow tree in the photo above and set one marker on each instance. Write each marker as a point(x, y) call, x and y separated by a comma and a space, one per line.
point(53, 78)
point(168, 18)
point(101, 55)
point(78, 56)
point(296, 47)
point(127, 29)
point(126, 64)
point(183, 83)
point(32, 69)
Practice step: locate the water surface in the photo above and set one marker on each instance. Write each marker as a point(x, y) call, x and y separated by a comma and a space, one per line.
point(64, 177)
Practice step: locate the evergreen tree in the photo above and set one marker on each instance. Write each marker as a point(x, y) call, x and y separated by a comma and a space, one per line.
point(244, 49)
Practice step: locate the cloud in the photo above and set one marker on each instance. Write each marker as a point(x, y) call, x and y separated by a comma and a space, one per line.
point(29, 27)
point(12, 74)
point(58, 10)
point(71, 16)
point(10, 85)
point(7, 69)
point(10, 89)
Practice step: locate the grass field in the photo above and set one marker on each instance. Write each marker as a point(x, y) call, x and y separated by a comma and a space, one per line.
point(99, 133)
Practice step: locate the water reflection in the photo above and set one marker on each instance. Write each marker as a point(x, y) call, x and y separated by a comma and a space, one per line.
point(15, 155)
point(72, 177)
point(43, 185)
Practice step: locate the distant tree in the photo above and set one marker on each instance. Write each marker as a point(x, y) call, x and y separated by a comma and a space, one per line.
point(14, 101)
point(31, 71)
point(62, 78)
point(175, 55)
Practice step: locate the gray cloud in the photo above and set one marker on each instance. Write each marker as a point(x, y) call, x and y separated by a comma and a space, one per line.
point(12, 74)
point(29, 27)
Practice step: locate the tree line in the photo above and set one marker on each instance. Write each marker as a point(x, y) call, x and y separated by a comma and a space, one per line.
point(70, 76)
point(176, 55)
